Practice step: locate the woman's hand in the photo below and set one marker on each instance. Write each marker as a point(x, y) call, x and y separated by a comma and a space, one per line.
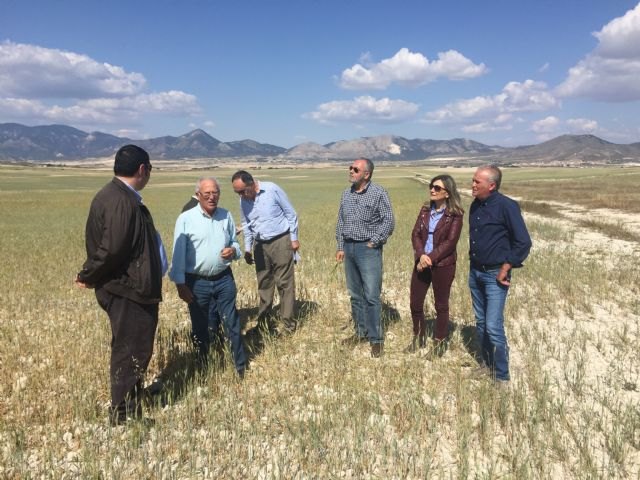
point(425, 262)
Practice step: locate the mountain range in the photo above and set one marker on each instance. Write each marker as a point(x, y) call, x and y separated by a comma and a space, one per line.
point(61, 143)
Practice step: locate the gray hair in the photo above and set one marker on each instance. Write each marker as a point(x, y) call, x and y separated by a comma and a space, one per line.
point(495, 174)
point(202, 179)
point(369, 165)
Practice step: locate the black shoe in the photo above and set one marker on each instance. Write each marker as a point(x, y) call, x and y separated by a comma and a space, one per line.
point(376, 350)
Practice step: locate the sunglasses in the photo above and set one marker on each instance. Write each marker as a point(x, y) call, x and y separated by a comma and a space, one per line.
point(354, 169)
point(437, 188)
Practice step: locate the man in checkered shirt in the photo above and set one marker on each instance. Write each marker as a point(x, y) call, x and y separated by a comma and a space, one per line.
point(365, 222)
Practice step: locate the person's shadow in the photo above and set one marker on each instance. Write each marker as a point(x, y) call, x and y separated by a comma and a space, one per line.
point(256, 338)
point(182, 367)
point(389, 314)
point(468, 334)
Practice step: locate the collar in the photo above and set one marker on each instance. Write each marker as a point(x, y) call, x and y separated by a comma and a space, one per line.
point(135, 192)
point(364, 190)
point(205, 213)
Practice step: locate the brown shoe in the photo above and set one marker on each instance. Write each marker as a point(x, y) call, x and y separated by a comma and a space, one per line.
point(376, 350)
point(353, 340)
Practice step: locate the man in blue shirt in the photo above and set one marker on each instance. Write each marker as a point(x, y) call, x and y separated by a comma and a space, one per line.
point(498, 242)
point(204, 245)
point(365, 222)
point(270, 226)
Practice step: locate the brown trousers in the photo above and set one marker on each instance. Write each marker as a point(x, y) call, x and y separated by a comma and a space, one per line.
point(275, 269)
point(441, 278)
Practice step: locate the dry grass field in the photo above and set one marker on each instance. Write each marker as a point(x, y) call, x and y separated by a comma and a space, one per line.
point(309, 407)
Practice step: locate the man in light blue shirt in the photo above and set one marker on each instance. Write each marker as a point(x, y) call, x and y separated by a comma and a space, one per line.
point(270, 226)
point(204, 245)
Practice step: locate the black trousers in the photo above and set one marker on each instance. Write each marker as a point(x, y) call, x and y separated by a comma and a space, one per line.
point(133, 330)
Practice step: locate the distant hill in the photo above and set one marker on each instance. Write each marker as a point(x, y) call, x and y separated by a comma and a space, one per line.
point(60, 142)
point(575, 148)
point(63, 143)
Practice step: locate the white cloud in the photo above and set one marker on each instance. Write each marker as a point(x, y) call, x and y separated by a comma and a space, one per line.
point(620, 38)
point(611, 71)
point(36, 72)
point(546, 125)
point(409, 69)
point(528, 96)
point(582, 125)
point(483, 127)
point(364, 109)
point(40, 84)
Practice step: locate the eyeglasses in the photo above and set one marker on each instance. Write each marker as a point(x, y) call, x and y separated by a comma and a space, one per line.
point(354, 169)
point(207, 195)
point(437, 188)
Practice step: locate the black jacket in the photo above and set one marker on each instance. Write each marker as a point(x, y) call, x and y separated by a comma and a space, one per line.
point(122, 249)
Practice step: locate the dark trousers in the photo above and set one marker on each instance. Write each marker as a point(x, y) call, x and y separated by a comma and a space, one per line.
point(441, 278)
point(133, 330)
point(275, 269)
point(215, 301)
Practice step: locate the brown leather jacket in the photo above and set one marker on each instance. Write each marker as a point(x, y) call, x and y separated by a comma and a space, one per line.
point(445, 237)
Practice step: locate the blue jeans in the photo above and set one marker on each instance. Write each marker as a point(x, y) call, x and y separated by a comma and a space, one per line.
point(363, 269)
point(489, 297)
point(216, 300)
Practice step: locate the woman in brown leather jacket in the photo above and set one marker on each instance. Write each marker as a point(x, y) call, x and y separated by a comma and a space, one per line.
point(434, 237)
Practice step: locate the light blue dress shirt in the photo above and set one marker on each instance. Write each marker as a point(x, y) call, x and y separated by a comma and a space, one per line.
point(269, 215)
point(198, 240)
point(434, 218)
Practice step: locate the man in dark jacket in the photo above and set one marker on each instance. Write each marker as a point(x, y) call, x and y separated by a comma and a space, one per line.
point(498, 242)
point(125, 266)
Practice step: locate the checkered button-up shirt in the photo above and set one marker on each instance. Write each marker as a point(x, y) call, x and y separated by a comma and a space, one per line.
point(365, 216)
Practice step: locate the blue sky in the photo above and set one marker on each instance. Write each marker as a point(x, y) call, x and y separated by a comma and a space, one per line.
point(288, 72)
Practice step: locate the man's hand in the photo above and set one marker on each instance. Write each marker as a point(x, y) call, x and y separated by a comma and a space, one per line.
point(503, 274)
point(248, 257)
point(295, 245)
point(228, 253)
point(339, 255)
point(184, 293)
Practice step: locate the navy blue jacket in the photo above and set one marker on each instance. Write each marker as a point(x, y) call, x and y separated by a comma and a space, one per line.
point(497, 232)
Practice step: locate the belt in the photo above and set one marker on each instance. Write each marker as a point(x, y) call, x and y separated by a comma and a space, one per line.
point(351, 240)
point(272, 239)
point(210, 278)
point(486, 268)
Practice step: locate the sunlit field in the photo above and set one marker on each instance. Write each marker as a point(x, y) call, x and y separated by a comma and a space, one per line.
point(310, 407)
